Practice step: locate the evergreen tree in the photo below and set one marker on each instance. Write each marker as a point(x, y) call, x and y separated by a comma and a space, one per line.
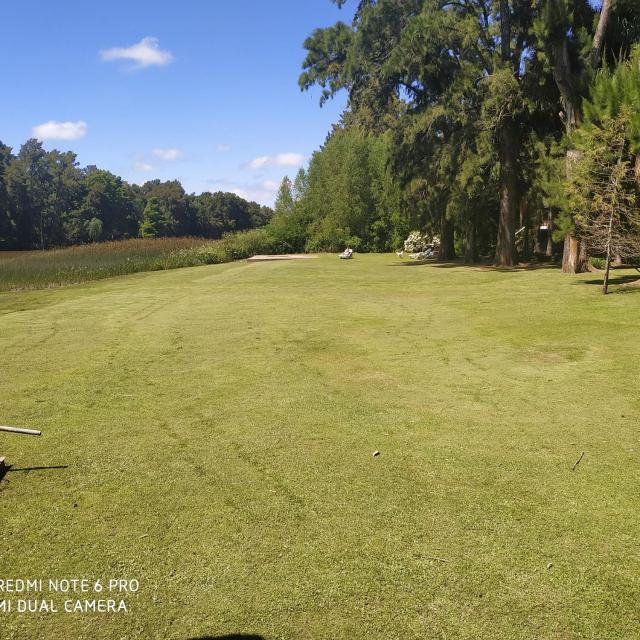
point(284, 199)
point(154, 222)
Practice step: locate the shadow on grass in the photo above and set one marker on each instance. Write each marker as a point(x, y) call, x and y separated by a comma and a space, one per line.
point(628, 279)
point(7, 468)
point(623, 290)
point(480, 265)
point(413, 263)
point(233, 636)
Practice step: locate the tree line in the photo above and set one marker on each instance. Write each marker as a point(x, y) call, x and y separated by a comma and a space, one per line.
point(48, 200)
point(473, 120)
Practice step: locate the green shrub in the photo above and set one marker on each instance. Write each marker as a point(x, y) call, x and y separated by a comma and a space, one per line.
point(246, 244)
point(597, 263)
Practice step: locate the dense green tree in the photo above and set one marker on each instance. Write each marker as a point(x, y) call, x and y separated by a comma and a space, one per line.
point(238, 213)
point(105, 199)
point(212, 219)
point(347, 195)
point(175, 206)
point(154, 220)
point(284, 199)
point(7, 225)
point(259, 215)
point(288, 229)
point(603, 190)
point(299, 186)
point(220, 212)
point(28, 183)
point(67, 188)
point(94, 229)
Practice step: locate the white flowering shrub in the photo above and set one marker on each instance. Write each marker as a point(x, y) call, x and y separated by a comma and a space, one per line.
point(422, 244)
point(416, 242)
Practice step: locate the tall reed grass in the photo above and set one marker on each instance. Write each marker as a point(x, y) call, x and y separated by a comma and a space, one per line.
point(56, 267)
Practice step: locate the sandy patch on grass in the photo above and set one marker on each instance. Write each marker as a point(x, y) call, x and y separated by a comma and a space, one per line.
point(285, 256)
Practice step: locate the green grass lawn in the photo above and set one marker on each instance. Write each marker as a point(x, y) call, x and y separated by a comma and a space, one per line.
point(215, 427)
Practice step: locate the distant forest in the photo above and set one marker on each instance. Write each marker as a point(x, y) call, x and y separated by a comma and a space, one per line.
point(48, 200)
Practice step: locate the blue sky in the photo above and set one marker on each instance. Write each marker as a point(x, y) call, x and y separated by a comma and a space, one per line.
point(200, 90)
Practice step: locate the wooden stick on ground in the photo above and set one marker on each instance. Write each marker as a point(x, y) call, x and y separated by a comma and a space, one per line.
point(577, 462)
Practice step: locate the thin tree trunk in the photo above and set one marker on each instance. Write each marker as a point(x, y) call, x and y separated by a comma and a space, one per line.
point(537, 245)
point(549, 250)
point(605, 283)
point(470, 250)
point(598, 38)
point(505, 246)
point(524, 222)
point(447, 250)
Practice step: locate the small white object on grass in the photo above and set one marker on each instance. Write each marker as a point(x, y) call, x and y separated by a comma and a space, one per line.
point(376, 454)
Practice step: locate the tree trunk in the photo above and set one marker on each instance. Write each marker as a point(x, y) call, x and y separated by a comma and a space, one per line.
point(505, 245)
point(524, 222)
point(574, 256)
point(470, 249)
point(607, 268)
point(508, 151)
point(549, 250)
point(598, 38)
point(447, 251)
point(563, 75)
point(537, 245)
point(605, 282)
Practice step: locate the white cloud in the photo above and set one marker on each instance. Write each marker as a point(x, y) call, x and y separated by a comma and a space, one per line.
point(145, 53)
point(263, 192)
point(279, 160)
point(54, 130)
point(168, 154)
point(145, 167)
point(223, 148)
